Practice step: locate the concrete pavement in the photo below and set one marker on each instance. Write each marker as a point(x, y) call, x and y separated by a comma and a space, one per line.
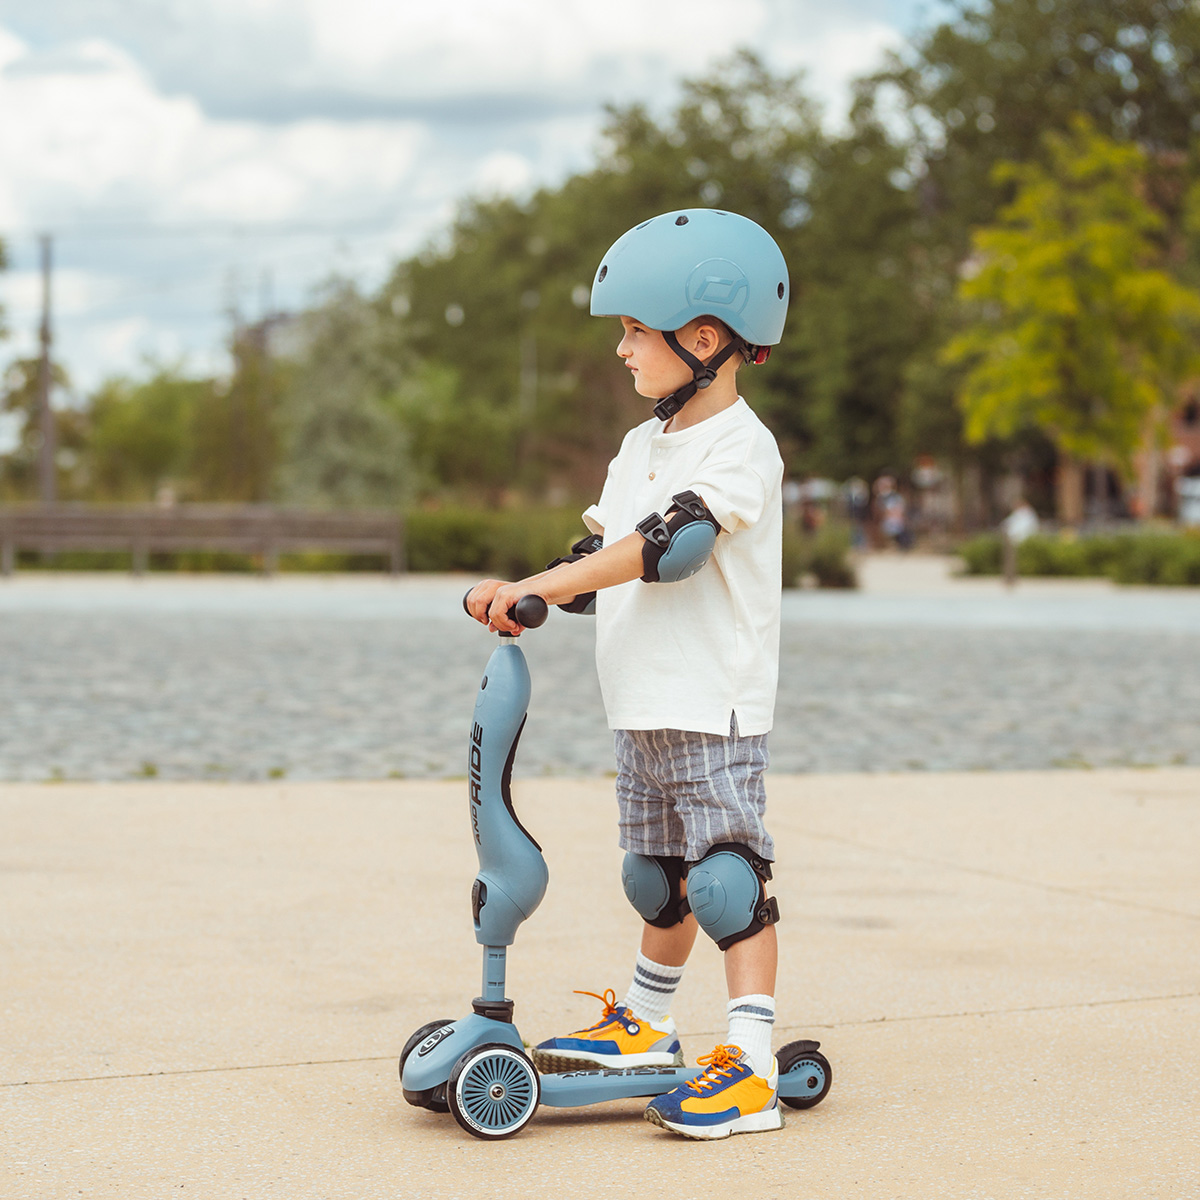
point(204, 988)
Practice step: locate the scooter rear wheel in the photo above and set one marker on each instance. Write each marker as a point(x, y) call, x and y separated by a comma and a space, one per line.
point(803, 1059)
point(435, 1098)
point(493, 1091)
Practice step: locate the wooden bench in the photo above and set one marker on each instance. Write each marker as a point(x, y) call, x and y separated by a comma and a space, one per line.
point(241, 528)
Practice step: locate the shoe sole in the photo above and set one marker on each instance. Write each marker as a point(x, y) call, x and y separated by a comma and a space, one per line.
point(550, 1062)
point(759, 1122)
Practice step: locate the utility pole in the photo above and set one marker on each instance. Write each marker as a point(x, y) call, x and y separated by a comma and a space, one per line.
point(47, 473)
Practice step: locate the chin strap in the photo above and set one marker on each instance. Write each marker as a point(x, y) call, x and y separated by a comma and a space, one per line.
point(702, 374)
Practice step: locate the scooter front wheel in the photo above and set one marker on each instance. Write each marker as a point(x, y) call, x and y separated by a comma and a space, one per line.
point(435, 1098)
point(493, 1091)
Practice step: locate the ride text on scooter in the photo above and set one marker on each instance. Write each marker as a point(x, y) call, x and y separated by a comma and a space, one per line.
point(476, 777)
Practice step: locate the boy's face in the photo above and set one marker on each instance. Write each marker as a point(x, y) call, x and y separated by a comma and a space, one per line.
point(657, 369)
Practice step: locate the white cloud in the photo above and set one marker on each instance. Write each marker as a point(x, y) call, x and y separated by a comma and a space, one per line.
point(112, 113)
point(105, 141)
point(420, 49)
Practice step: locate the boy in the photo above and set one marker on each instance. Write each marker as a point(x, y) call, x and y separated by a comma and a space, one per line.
point(686, 590)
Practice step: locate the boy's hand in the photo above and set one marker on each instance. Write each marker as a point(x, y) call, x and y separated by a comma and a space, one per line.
point(488, 602)
point(479, 599)
point(505, 596)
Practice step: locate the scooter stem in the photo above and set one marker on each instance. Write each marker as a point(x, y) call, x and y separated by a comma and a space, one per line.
point(512, 873)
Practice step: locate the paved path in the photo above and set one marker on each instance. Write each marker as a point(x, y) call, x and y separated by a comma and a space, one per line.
point(218, 678)
point(205, 989)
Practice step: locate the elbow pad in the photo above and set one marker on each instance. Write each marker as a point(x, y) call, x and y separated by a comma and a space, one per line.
point(678, 546)
point(585, 602)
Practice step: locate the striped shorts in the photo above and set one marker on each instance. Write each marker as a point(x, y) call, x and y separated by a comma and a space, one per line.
point(680, 793)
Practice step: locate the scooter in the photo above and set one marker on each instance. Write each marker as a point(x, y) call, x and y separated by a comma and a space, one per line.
point(476, 1067)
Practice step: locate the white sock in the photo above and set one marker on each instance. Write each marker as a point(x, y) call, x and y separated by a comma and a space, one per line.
point(751, 1019)
point(653, 989)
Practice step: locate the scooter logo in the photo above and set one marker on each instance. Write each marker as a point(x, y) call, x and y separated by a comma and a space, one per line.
point(476, 777)
point(438, 1035)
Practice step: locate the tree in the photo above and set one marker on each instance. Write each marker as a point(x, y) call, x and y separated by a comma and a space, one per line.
point(342, 441)
point(854, 320)
point(140, 435)
point(987, 84)
point(1078, 330)
point(19, 468)
point(234, 433)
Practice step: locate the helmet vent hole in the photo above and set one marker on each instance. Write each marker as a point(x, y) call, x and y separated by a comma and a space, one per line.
point(681, 220)
point(780, 289)
point(604, 271)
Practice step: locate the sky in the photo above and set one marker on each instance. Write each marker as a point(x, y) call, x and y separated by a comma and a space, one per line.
point(196, 157)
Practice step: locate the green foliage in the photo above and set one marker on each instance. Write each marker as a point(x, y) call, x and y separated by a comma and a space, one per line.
point(986, 84)
point(19, 468)
point(1077, 330)
point(504, 543)
point(1158, 558)
point(1143, 557)
point(235, 429)
point(141, 434)
point(853, 322)
point(825, 555)
point(342, 440)
point(982, 554)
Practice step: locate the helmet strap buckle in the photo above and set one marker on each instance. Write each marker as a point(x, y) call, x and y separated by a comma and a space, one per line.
point(703, 374)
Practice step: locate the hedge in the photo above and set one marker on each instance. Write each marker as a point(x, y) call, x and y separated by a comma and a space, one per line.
point(825, 555)
point(1151, 556)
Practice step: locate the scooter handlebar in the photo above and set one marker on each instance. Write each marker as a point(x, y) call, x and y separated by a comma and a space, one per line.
point(530, 611)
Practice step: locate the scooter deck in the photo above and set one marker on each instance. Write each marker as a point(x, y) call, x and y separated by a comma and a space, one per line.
point(573, 1089)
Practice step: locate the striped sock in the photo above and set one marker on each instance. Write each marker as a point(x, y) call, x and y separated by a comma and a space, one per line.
point(751, 1019)
point(653, 989)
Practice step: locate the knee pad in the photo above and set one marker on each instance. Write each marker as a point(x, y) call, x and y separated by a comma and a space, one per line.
point(654, 886)
point(677, 547)
point(728, 896)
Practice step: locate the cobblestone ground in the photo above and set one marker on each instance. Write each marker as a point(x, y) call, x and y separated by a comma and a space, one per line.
point(250, 684)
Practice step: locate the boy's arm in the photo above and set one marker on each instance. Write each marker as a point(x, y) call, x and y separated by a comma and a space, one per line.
point(489, 601)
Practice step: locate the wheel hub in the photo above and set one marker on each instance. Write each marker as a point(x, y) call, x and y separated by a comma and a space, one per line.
point(497, 1091)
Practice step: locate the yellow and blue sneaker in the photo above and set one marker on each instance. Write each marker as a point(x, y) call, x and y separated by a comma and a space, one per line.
point(727, 1098)
point(618, 1039)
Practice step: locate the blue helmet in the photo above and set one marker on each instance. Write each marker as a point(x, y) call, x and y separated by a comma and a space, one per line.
point(696, 262)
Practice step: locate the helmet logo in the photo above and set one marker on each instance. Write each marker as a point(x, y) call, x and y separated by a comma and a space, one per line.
point(718, 282)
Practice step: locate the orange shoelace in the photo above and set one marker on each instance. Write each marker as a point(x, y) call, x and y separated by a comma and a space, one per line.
point(720, 1064)
point(609, 1000)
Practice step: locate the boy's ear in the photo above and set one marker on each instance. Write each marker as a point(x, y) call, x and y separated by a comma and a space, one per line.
point(707, 337)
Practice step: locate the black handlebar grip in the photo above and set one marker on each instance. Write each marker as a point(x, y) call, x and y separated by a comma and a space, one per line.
point(529, 611)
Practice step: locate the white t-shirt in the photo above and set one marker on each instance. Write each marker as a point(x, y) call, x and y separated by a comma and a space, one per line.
point(687, 655)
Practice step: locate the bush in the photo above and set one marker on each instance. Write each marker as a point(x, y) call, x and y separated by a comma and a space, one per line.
point(982, 555)
point(506, 544)
point(824, 554)
point(1142, 556)
point(1158, 558)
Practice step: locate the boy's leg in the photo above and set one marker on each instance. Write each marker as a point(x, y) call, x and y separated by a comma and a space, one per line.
point(659, 968)
point(722, 804)
point(637, 1031)
point(670, 946)
point(649, 825)
point(750, 967)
